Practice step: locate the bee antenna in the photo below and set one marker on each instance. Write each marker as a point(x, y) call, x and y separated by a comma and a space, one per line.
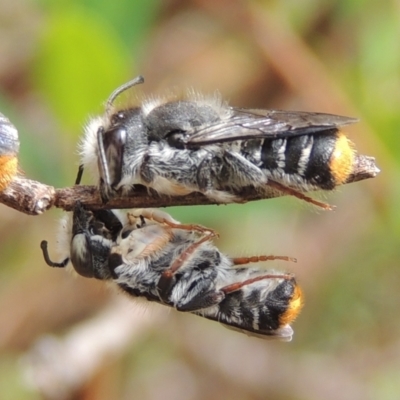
point(62, 264)
point(136, 81)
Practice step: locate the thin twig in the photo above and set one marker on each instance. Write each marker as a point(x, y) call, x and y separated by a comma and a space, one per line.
point(34, 198)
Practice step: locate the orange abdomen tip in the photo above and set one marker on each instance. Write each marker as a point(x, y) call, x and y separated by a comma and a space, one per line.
point(342, 159)
point(8, 169)
point(294, 307)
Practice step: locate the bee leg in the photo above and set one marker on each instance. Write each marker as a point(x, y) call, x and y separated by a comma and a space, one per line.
point(217, 176)
point(166, 281)
point(239, 285)
point(135, 220)
point(105, 183)
point(201, 300)
point(80, 218)
point(244, 171)
point(193, 227)
point(79, 175)
point(146, 173)
point(292, 192)
point(255, 259)
point(205, 172)
point(210, 176)
point(153, 214)
point(104, 192)
point(164, 218)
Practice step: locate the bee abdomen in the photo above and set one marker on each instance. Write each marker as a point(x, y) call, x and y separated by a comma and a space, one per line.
point(251, 309)
point(320, 160)
point(284, 304)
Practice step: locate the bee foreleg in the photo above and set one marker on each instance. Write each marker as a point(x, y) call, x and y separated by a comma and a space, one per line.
point(163, 218)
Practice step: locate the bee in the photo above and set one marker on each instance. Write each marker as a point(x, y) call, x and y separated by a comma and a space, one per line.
point(150, 255)
point(9, 148)
point(199, 144)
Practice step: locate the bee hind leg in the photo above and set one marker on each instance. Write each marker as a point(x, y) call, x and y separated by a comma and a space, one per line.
point(239, 285)
point(255, 259)
point(292, 192)
point(201, 301)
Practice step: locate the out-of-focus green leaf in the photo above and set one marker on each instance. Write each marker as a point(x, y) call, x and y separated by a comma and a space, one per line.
point(79, 61)
point(130, 19)
point(380, 75)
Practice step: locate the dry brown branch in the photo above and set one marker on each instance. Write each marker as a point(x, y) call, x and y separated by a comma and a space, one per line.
point(34, 198)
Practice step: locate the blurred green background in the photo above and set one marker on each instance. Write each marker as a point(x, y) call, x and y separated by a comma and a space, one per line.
point(59, 60)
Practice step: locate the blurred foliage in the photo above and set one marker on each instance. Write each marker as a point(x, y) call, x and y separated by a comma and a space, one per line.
point(59, 62)
point(75, 53)
point(85, 51)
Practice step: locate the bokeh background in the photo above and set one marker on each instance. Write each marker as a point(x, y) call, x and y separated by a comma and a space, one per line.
point(65, 337)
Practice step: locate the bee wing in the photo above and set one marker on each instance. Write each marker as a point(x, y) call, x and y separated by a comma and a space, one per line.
point(284, 333)
point(246, 124)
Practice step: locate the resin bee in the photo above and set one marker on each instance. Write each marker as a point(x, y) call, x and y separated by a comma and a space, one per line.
point(9, 148)
point(182, 145)
point(150, 255)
